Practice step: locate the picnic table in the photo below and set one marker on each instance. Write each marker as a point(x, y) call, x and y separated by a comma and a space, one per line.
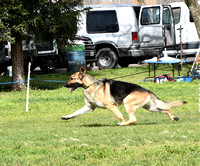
point(165, 60)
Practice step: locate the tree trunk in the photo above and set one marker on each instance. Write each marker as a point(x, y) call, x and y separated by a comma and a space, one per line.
point(17, 64)
point(195, 10)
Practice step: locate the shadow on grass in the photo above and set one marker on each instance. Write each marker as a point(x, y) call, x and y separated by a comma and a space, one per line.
point(147, 123)
point(97, 125)
point(114, 125)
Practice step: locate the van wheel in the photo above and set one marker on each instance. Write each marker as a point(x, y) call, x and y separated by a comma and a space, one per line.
point(106, 58)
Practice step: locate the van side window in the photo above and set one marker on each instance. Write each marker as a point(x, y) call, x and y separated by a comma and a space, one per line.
point(176, 13)
point(137, 13)
point(102, 22)
point(191, 18)
point(150, 16)
point(166, 16)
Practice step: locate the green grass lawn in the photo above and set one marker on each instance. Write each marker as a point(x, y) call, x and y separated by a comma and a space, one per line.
point(40, 137)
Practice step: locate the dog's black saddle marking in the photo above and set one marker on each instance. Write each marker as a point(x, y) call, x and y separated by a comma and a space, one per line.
point(120, 90)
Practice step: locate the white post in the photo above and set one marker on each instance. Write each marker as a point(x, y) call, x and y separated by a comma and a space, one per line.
point(27, 95)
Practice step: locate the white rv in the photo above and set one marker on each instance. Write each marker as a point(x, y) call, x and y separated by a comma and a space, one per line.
point(189, 37)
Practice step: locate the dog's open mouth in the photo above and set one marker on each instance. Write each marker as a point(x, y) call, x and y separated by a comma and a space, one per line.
point(72, 89)
point(72, 86)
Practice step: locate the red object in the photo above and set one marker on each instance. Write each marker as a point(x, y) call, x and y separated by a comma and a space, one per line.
point(134, 36)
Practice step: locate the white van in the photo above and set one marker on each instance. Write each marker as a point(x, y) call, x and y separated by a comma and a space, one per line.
point(113, 30)
point(125, 34)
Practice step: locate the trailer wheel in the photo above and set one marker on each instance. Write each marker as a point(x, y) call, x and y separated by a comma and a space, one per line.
point(106, 58)
point(49, 63)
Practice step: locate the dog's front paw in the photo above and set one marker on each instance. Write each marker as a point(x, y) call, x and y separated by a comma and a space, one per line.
point(66, 117)
point(119, 124)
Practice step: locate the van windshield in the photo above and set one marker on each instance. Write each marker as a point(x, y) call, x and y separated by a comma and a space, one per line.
point(102, 22)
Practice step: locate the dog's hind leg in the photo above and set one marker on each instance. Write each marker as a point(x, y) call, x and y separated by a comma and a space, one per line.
point(171, 115)
point(132, 102)
point(160, 106)
point(86, 109)
point(132, 118)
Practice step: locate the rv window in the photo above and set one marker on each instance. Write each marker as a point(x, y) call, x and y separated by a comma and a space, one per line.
point(191, 18)
point(102, 22)
point(150, 16)
point(166, 16)
point(176, 13)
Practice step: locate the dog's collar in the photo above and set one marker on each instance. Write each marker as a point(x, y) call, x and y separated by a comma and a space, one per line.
point(96, 81)
point(85, 87)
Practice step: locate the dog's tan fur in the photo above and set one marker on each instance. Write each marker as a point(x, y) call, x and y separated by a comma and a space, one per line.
point(98, 94)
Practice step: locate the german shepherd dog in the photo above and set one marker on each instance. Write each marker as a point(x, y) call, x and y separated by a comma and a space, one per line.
point(108, 93)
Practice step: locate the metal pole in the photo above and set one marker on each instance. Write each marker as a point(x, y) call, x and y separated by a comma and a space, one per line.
point(28, 82)
point(181, 46)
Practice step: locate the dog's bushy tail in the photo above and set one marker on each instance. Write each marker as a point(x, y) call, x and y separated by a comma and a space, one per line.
point(175, 103)
point(166, 105)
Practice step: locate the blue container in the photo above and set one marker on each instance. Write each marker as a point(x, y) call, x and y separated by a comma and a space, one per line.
point(75, 56)
point(187, 79)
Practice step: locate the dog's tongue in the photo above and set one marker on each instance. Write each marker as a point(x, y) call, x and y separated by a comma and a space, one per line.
point(71, 89)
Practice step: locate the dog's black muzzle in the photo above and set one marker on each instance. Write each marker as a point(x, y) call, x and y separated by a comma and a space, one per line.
point(72, 85)
point(65, 85)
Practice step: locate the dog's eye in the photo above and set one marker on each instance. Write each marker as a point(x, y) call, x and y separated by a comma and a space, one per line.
point(72, 78)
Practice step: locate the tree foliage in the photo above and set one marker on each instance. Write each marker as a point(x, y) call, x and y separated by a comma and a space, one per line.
point(41, 20)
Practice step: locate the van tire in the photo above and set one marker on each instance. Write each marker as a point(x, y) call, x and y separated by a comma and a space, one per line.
point(106, 58)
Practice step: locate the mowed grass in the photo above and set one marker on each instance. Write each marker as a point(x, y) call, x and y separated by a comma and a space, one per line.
point(40, 137)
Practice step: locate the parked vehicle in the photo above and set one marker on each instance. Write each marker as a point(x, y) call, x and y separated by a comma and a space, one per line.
point(124, 34)
point(190, 40)
point(4, 59)
point(46, 56)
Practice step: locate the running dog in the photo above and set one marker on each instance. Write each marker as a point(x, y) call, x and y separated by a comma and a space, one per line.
point(107, 93)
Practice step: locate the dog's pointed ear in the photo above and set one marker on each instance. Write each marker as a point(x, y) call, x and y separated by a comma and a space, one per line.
point(82, 72)
point(82, 69)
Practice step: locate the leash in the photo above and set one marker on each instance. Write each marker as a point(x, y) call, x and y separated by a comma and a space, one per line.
point(129, 75)
point(135, 74)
